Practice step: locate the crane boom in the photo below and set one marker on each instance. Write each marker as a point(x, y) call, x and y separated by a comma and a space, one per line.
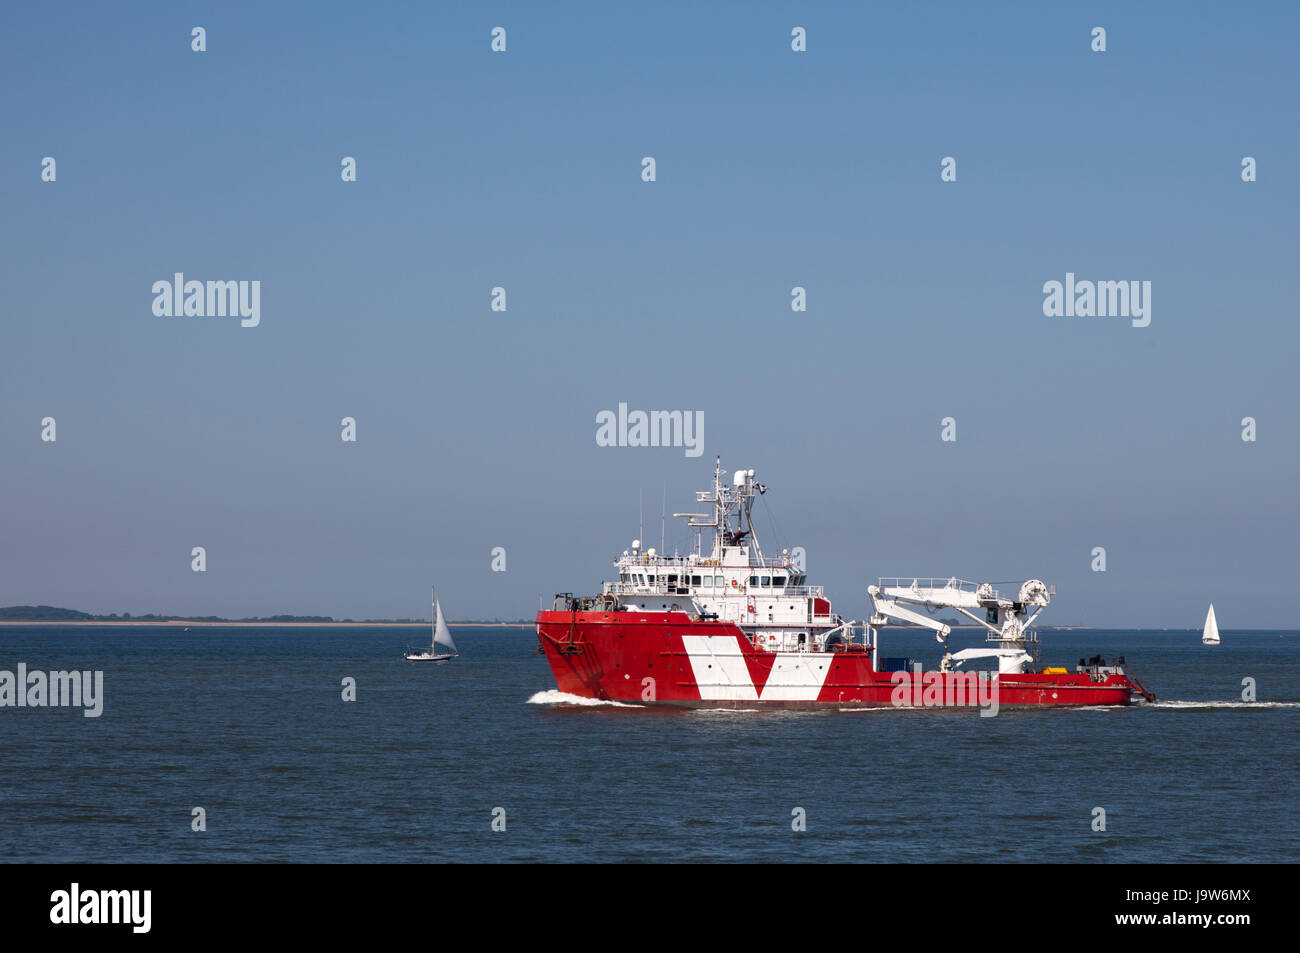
point(1005, 620)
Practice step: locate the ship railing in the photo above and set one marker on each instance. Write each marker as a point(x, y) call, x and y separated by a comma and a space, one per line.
point(929, 582)
point(658, 559)
point(771, 562)
point(755, 562)
point(681, 589)
point(819, 591)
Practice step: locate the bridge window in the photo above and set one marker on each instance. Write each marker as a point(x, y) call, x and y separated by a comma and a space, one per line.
point(717, 581)
point(753, 580)
point(767, 580)
point(778, 580)
point(695, 580)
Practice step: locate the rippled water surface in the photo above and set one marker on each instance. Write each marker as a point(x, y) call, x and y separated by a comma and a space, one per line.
point(249, 724)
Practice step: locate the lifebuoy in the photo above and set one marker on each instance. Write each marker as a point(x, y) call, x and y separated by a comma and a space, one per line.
point(734, 583)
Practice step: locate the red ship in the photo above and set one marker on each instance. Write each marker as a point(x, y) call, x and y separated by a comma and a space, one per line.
point(738, 629)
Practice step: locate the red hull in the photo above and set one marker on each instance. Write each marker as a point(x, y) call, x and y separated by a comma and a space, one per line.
point(666, 658)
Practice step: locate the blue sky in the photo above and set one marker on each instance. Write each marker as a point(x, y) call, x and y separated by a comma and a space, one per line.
point(521, 169)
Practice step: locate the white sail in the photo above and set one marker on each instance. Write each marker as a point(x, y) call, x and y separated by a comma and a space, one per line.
point(1211, 634)
point(441, 634)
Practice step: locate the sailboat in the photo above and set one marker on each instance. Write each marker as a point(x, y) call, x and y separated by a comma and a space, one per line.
point(1211, 634)
point(441, 637)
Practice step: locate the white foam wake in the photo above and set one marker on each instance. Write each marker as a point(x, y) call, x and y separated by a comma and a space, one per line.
point(555, 697)
point(1221, 704)
point(877, 708)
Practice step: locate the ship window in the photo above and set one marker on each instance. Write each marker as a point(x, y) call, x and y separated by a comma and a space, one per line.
point(778, 580)
point(717, 580)
point(695, 580)
point(767, 580)
point(672, 580)
point(753, 580)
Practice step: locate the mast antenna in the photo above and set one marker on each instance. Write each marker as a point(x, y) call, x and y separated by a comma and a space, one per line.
point(663, 509)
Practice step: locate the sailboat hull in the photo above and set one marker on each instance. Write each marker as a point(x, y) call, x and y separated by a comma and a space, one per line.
point(441, 639)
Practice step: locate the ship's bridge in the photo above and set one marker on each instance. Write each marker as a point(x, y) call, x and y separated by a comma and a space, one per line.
point(748, 589)
point(732, 581)
point(738, 575)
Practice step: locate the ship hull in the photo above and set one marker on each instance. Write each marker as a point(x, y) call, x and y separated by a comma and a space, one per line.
point(666, 658)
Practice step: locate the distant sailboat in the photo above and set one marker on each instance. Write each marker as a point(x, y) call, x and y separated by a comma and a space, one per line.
point(441, 636)
point(1211, 634)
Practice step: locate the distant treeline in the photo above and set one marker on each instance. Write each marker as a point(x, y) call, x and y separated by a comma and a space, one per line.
point(43, 614)
point(55, 614)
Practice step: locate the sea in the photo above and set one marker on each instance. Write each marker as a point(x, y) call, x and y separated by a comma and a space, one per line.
point(482, 760)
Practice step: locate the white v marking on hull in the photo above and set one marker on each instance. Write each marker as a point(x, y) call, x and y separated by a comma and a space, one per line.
point(719, 668)
point(721, 673)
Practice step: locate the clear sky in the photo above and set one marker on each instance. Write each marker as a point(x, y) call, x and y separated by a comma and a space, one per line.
point(775, 169)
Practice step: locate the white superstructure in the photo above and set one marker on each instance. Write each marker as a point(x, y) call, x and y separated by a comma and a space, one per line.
point(768, 597)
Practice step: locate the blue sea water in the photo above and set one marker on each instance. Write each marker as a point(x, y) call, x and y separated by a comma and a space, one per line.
point(250, 725)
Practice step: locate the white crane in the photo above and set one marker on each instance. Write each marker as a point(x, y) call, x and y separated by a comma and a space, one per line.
point(1006, 620)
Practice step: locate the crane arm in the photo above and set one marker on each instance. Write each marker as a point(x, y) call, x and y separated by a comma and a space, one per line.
point(888, 608)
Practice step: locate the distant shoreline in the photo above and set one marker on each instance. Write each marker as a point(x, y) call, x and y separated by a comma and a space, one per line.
point(175, 623)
